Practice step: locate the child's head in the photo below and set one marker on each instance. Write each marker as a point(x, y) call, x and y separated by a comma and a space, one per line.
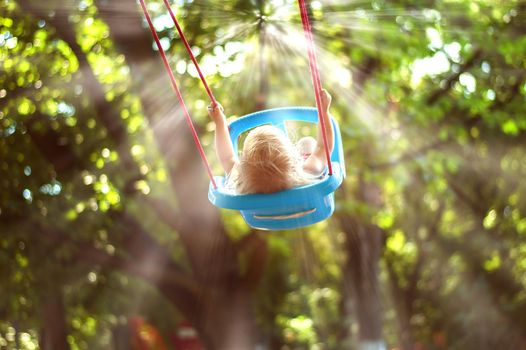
point(269, 162)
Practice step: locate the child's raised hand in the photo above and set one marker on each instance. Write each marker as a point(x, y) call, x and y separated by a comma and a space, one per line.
point(215, 111)
point(326, 99)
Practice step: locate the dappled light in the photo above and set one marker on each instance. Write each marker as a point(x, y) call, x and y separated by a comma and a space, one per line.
point(108, 239)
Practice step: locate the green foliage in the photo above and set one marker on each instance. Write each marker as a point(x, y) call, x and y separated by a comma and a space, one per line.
point(430, 97)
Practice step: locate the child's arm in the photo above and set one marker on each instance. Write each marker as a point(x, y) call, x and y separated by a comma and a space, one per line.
point(224, 149)
point(317, 161)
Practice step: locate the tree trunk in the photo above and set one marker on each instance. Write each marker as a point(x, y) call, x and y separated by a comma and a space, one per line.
point(230, 322)
point(53, 333)
point(121, 337)
point(17, 336)
point(364, 243)
point(364, 249)
point(403, 313)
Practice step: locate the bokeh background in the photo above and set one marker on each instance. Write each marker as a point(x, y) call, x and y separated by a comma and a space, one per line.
point(108, 240)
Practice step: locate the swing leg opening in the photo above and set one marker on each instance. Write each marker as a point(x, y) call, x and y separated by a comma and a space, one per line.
point(285, 217)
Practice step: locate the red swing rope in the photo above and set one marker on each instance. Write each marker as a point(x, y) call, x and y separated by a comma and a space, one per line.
point(178, 93)
point(189, 50)
point(315, 74)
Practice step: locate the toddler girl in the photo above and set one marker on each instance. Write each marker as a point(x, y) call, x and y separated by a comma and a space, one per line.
point(269, 161)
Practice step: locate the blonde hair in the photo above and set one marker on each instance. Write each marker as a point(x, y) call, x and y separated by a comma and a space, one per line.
point(269, 163)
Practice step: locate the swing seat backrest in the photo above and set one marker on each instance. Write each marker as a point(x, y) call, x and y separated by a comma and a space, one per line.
point(292, 208)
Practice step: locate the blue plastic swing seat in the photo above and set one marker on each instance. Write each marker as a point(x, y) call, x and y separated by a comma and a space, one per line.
point(292, 208)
